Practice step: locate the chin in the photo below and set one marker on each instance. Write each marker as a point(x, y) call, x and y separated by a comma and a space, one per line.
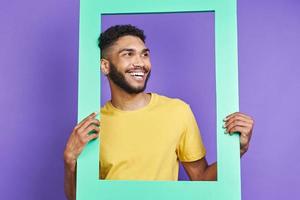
point(137, 89)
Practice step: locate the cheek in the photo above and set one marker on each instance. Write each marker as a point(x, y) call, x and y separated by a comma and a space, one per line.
point(147, 62)
point(122, 66)
point(125, 63)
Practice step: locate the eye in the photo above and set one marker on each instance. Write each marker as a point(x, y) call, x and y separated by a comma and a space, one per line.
point(146, 54)
point(128, 54)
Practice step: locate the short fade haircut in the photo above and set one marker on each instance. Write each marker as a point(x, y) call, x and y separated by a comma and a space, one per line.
point(113, 33)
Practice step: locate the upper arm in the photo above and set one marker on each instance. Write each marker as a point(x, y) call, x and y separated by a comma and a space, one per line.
point(196, 169)
point(190, 146)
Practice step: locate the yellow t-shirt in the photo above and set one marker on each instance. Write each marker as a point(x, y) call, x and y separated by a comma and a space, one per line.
point(147, 144)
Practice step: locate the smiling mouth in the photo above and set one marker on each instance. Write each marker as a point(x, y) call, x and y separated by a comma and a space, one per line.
point(137, 75)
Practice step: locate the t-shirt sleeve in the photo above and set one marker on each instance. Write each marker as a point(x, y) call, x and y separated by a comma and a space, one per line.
point(190, 147)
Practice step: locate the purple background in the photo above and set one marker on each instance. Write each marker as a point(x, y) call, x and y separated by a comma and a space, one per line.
point(38, 100)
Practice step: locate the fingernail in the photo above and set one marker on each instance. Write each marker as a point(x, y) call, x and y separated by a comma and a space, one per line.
point(96, 113)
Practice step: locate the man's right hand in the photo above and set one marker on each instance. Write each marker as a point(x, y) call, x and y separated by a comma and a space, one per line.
point(79, 138)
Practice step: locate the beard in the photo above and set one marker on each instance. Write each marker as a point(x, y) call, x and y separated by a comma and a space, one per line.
point(119, 79)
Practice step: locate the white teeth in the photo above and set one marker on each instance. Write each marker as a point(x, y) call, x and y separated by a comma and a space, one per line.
point(137, 74)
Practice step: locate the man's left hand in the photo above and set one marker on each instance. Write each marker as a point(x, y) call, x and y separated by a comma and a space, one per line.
point(243, 124)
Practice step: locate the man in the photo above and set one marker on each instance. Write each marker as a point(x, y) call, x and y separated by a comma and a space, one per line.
point(143, 136)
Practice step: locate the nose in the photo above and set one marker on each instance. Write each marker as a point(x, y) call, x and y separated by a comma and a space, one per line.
point(138, 61)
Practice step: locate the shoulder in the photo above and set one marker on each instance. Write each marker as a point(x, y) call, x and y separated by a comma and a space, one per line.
point(106, 108)
point(174, 103)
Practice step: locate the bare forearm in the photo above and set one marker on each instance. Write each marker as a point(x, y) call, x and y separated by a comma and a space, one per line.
point(78, 139)
point(70, 181)
point(210, 173)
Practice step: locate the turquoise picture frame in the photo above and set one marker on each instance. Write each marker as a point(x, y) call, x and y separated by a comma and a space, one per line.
point(228, 185)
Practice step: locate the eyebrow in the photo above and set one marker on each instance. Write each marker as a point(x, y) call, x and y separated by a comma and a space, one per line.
point(132, 50)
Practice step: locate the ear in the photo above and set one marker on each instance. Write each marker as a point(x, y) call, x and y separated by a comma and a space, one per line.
point(105, 66)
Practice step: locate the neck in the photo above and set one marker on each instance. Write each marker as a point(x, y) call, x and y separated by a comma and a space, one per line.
point(128, 102)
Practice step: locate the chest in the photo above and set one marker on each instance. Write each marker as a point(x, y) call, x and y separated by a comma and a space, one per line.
point(129, 137)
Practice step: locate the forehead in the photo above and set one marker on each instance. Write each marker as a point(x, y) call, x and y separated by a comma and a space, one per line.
point(129, 41)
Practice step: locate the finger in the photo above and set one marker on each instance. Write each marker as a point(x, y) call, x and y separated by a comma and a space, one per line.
point(229, 116)
point(238, 118)
point(92, 115)
point(239, 129)
point(229, 125)
point(92, 136)
point(92, 129)
point(235, 119)
point(243, 131)
point(88, 123)
point(237, 123)
point(237, 114)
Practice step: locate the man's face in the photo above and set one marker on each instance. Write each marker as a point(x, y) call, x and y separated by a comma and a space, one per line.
point(130, 65)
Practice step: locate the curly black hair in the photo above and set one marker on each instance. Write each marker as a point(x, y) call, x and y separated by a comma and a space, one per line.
point(112, 34)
